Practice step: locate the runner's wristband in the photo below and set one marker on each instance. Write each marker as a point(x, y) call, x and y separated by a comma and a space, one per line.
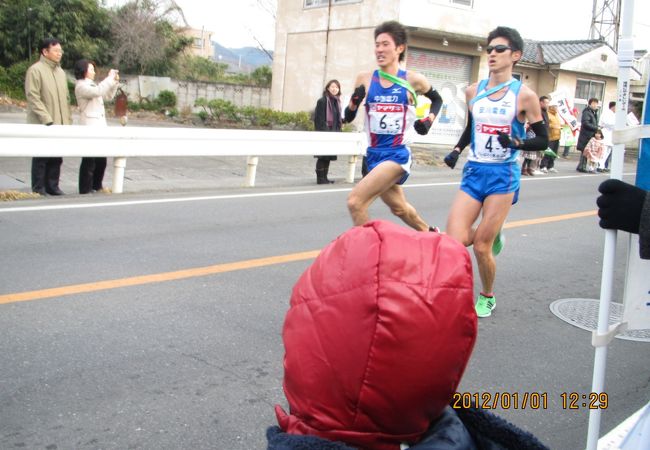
point(349, 115)
point(540, 141)
point(466, 137)
point(436, 101)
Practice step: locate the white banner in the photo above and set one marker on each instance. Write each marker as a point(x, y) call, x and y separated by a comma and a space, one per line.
point(565, 109)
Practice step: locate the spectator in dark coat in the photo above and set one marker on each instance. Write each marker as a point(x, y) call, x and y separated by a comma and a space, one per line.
point(588, 127)
point(327, 117)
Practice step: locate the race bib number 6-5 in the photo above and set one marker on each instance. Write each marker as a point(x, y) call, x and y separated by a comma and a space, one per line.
point(387, 118)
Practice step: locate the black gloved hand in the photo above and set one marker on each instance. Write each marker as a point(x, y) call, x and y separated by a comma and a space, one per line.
point(620, 205)
point(423, 126)
point(452, 158)
point(48, 124)
point(358, 95)
point(507, 142)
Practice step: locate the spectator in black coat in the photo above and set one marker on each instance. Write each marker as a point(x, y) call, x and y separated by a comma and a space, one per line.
point(588, 127)
point(327, 117)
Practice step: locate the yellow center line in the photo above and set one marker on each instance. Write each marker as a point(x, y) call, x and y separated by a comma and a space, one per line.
point(540, 220)
point(155, 278)
point(218, 268)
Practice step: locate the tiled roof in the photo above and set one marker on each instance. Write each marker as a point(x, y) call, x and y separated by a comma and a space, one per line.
point(557, 52)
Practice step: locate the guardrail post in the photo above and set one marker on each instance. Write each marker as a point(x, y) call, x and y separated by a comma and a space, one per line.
point(352, 165)
point(119, 164)
point(251, 170)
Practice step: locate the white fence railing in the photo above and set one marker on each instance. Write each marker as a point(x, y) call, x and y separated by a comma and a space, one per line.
point(22, 140)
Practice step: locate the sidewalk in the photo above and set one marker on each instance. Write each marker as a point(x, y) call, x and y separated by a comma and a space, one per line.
point(178, 174)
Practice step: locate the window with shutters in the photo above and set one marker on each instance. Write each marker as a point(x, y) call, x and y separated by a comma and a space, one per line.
point(586, 89)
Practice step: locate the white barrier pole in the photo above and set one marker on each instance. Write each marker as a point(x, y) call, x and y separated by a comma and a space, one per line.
point(119, 164)
point(251, 170)
point(352, 164)
point(625, 59)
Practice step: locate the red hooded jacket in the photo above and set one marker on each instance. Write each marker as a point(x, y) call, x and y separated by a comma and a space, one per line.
point(379, 331)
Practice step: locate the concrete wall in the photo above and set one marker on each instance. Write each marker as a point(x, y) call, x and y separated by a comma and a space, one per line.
point(323, 43)
point(187, 92)
point(448, 18)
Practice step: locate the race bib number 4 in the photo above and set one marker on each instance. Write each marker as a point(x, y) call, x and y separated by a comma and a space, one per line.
point(387, 118)
point(487, 142)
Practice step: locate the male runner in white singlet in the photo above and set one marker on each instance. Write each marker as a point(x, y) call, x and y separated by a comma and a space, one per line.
point(390, 117)
point(497, 110)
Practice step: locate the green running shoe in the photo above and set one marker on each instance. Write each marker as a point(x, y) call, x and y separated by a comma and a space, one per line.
point(499, 243)
point(485, 305)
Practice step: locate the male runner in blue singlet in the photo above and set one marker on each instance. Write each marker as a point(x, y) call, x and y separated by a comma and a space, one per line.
point(389, 120)
point(497, 110)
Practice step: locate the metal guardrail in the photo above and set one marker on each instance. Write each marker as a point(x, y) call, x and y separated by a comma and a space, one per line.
point(21, 140)
point(628, 134)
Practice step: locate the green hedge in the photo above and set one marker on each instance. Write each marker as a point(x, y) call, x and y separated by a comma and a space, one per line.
point(224, 112)
point(12, 80)
point(165, 102)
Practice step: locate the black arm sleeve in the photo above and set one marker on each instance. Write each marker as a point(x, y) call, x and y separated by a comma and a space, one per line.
point(436, 101)
point(540, 141)
point(349, 115)
point(466, 137)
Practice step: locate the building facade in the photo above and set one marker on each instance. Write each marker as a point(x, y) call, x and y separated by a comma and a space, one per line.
point(319, 40)
point(202, 42)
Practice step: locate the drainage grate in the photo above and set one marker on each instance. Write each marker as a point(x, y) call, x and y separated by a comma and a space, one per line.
point(583, 313)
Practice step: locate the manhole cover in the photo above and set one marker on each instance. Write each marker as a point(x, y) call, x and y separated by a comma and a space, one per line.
point(583, 313)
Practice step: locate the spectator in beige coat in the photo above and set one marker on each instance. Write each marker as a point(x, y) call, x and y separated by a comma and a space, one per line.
point(48, 103)
point(90, 98)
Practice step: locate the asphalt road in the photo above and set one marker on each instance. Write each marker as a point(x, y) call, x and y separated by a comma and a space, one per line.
point(196, 362)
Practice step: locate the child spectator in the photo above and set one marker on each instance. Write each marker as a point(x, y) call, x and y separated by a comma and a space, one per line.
point(594, 151)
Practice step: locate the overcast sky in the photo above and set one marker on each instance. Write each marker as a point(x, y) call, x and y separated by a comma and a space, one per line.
point(241, 23)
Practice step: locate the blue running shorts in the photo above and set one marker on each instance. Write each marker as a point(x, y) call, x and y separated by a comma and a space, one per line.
point(483, 179)
point(400, 155)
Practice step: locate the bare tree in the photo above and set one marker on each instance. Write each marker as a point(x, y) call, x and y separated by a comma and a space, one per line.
point(144, 36)
point(269, 6)
point(135, 35)
point(171, 8)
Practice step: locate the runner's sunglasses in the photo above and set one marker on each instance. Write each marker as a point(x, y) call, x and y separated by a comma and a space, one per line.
point(498, 48)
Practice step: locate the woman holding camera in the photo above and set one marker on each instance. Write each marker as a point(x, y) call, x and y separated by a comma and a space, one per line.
point(90, 98)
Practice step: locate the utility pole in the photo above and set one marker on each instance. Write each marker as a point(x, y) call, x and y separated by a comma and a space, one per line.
point(29, 33)
point(605, 21)
point(327, 38)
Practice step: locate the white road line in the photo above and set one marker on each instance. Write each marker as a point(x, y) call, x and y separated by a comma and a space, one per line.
point(111, 204)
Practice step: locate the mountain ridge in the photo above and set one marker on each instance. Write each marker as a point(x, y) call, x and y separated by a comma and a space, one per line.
point(243, 59)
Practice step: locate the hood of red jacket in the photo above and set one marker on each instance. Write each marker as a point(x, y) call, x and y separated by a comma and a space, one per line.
point(378, 334)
